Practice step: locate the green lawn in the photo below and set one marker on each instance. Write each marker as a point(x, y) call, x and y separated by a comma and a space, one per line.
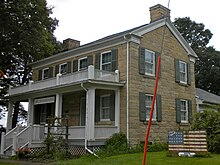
point(153, 158)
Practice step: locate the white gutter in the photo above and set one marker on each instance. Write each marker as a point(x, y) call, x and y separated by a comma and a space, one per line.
point(127, 89)
point(86, 148)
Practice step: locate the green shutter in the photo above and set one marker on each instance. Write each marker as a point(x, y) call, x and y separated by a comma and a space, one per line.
point(114, 59)
point(112, 107)
point(56, 70)
point(178, 114)
point(157, 54)
point(69, 67)
point(142, 106)
point(177, 70)
point(190, 111)
point(97, 108)
point(142, 60)
point(75, 65)
point(89, 60)
point(50, 72)
point(40, 74)
point(97, 61)
point(188, 74)
point(159, 108)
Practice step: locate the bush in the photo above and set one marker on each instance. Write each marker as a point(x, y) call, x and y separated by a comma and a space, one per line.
point(116, 144)
point(23, 153)
point(210, 122)
point(153, 147)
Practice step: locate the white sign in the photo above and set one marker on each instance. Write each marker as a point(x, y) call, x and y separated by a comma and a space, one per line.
point(44, 100)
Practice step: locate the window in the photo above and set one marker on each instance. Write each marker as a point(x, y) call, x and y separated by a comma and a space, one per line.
point(145, 102)
point(82, 64)
point(184, 111)
point(106, 61)
point(105, 108)
point(149, 63)
point(148, 104)
point(63, 68)
point(183, 73)
point(45, 74)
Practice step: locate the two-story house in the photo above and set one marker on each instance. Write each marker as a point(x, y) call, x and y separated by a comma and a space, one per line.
point(106, 86)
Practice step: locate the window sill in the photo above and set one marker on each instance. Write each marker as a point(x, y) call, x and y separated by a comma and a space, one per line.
point(105, 123)
point(154, 122)
point(183, 84)
point(184, 124)
point(149, 76)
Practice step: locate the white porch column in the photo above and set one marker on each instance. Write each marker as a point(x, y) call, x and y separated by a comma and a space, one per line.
point(9, 117)
point(58, 105)
point(117, 109)
point(30, 116)
point(90, 114)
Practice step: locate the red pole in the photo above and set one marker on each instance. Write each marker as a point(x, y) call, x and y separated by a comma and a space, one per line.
point(151, 112)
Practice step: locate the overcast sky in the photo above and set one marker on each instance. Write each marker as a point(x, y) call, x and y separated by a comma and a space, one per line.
point(89, 20)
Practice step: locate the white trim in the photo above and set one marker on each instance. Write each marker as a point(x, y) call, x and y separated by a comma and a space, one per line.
point(101, 108)
point(79, 63)
point(187, 111)
point(186, 72)
point(44, 100)
point(43, 70)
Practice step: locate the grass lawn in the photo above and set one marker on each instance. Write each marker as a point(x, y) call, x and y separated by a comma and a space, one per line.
point(153, 158)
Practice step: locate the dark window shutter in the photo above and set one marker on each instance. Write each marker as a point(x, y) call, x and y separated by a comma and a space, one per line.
point(157, 54)
point(114, 59)
point(97, 61)
point(142, 60)
point(142, 106)
point(97, 108)
point(56, 70)
point(89, 60)
point(159, 108)
point(50, 72)
point(75, 65)
point(69, 67)
point(188, 74)
point(190, 111)
point(40, 74)
point(177, 70)
point(178, 114)
point(112, 107)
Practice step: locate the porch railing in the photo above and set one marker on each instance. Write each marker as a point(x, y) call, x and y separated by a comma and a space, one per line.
point(89, 74)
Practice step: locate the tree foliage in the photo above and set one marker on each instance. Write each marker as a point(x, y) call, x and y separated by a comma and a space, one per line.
point(207, 66)
point(26, 35)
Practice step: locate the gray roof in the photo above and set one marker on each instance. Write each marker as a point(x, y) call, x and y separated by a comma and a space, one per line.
point(207, 96)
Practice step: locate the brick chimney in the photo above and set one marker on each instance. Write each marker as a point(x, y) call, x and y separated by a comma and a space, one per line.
point(158, 12)
point(70, 43)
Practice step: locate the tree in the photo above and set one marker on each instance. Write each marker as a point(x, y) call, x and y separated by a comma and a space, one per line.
point(26, 35)
point(207, 66)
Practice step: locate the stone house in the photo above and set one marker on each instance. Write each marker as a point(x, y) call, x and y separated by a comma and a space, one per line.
point(106, 86)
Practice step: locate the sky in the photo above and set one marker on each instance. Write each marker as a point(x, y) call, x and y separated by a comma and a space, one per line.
point(89, 20)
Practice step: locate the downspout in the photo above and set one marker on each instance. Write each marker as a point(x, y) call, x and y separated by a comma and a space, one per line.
point(86, 148)
point(127, 88)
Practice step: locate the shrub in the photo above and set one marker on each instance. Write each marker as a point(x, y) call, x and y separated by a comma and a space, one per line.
point(23, 153)
point(210, 122)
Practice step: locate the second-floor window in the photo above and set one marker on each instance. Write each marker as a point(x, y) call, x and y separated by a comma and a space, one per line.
point(45, 73)
point(106, 61)
point(82, 64)
point(182, 71)
point(63, 68)
point(149, 62)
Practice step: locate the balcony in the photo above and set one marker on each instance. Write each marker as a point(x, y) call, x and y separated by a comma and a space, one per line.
point(67, 79)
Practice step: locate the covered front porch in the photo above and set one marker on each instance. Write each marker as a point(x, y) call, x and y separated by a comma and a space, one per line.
point(91, 106)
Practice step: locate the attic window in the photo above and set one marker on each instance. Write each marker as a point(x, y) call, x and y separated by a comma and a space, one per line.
point(149, 63)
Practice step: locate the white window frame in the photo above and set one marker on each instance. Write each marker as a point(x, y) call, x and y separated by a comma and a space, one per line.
point(101, 64)
point(60, 68)
point(101, 108)
point(184, 110)
point(180, 72)
point(44, 73)
point(79, 69)
point(154, 118)
point(154, 63)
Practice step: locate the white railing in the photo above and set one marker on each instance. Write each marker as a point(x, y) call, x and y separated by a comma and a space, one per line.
point(89, 74)
point(102, 132)
point(23, 137)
